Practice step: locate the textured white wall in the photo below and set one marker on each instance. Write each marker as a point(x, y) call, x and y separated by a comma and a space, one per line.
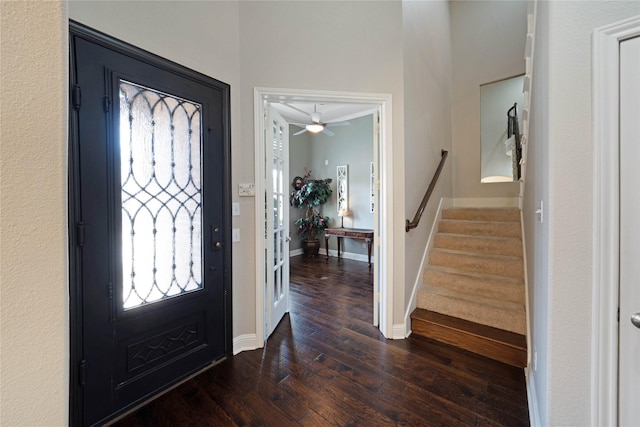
point(536, 190)
point(203, 36)
point(427, 106)
point(488, 40)
point(34, 308)
point(329, 46)
point(563, 164)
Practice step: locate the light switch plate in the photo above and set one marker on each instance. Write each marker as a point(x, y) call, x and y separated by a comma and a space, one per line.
point(235, 209)
point(235, 235)
point(247, 190)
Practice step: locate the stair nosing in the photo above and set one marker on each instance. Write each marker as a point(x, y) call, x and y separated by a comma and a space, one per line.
point(475, 221)
point(477, 237)
point(479, 254)
point(475, 299)
point(489, 332)
point(480, 208)
point(475, 274)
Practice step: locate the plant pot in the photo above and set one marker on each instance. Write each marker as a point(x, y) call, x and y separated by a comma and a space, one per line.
point(311, 248)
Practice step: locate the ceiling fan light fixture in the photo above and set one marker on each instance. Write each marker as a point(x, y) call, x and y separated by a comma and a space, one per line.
point(314, 127)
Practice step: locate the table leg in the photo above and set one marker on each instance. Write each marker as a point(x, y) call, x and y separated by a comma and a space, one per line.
point(369, 250)
point(339, 241)
point(326, 245)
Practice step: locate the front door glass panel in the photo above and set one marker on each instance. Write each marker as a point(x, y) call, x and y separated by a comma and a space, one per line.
point(160, 154)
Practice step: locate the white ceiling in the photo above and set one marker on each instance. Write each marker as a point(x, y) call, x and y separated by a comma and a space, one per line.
point(300, 112)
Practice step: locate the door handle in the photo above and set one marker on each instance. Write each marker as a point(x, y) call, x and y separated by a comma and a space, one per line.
point(287, 239)
point(635, 319)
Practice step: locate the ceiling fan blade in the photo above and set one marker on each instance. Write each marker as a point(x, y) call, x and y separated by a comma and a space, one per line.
point(300, 132)
point(333, 124)
point(327, 132)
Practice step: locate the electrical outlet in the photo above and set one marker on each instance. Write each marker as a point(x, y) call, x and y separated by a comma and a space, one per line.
point(235, 235)
point(235, 209)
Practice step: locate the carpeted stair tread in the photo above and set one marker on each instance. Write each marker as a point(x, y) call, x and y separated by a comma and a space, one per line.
point(482, 214)
point(503, 315)
point(502, 265)
point(480, 284)
point(480, 228)
point(480, 244)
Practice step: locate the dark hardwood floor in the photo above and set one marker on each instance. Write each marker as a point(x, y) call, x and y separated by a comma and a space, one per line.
point(326, 365)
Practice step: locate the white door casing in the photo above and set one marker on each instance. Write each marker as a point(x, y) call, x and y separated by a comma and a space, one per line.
point(376, 218)
point(384, 255)
point(606, 220)
point(629, 347)
point(277, 219)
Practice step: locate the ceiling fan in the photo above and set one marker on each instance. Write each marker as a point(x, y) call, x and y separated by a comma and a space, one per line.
point(316, 125)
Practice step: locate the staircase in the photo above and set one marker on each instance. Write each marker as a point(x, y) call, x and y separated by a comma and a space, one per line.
point(473, 292)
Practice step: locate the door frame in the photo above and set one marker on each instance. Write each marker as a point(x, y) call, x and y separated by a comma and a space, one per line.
point(386, 201)
point(73, 208)
point(606, 218)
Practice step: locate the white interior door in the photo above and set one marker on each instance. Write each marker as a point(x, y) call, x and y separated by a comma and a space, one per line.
point(277, 220)
point(629, 350)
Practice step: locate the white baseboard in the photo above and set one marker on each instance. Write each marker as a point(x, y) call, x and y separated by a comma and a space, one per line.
point(295, 252)
point(532, 399)
point(334, 253)
point(486, 202)
point(398, 331)
point(245, 342)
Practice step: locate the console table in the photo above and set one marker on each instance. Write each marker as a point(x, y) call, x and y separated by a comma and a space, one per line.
point(352, 233)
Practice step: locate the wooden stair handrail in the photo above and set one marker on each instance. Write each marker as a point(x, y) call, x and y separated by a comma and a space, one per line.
point(416, 219)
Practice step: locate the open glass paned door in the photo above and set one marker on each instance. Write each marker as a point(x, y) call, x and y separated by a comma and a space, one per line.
point(277, 220)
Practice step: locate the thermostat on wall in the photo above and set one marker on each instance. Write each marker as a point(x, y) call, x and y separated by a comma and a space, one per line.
point(247, 190)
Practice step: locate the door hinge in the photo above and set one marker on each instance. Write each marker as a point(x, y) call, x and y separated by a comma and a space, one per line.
point(107, 104)
point(80, 234)
point(82, 372)
point(618, 314)
point(76, 97)
point(110, 290)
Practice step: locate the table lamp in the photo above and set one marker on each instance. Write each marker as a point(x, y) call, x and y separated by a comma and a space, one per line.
point(342, 213)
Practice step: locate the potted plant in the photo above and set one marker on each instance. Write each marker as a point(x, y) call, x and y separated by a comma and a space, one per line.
point(311, 194)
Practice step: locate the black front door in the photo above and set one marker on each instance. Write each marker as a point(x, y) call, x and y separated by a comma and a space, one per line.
point(150, 225)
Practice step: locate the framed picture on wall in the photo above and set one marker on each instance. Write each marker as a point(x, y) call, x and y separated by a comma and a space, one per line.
point(342, 184)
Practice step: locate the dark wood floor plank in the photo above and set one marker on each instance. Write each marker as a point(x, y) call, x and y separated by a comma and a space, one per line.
point(325, 364)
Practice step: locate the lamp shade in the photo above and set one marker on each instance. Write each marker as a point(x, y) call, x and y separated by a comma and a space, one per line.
point(343, 212)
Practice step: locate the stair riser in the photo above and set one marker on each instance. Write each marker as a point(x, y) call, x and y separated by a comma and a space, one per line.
point(508, 320)
point(494, 289)
point(511, 247)
point(507, 229)
point(494, 350)
point(482, 214)
point(511, 267)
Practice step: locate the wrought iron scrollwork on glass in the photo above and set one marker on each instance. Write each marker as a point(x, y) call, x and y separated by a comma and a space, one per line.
point(160, 151)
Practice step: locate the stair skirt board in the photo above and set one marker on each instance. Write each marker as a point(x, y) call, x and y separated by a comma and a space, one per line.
point(490, 342)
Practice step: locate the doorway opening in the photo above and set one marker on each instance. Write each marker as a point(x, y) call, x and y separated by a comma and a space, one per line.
point(383, 257)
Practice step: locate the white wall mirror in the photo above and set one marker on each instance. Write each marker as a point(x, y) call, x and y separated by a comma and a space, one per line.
point(500, 123)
